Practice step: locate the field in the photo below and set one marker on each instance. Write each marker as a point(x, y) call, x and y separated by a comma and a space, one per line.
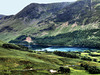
point(17, 62)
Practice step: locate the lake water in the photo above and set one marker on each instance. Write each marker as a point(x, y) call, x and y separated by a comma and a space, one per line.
point(65, 49)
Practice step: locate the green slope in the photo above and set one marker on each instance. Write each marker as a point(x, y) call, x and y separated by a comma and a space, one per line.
point(78, 36)
point(13, 62)
point(11, 59)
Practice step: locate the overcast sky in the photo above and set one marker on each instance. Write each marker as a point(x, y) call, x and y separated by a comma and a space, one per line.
point(9, 7)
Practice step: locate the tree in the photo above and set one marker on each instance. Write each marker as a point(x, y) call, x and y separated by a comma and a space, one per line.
point(95, 60)
point(64, 70)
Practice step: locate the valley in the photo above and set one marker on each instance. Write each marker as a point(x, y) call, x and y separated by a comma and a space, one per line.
point(69, 33)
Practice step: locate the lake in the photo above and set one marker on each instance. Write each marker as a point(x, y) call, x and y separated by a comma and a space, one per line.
point(65, 49)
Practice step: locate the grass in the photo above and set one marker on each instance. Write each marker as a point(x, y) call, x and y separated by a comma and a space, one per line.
point(12, 60)
point(19, 28)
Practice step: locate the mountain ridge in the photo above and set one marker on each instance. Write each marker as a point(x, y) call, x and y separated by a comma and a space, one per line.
point(12, 21)
point(44, 21)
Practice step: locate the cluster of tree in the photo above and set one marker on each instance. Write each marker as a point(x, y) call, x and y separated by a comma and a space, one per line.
point(81, 38)
point(19, 39)
point(91, 69)
point(86, 58)
point(91, 54)
point(63, 70)
point(67, 54)
point(13, 46)
point(87, 51)
point(98, 51)
point(95, 60)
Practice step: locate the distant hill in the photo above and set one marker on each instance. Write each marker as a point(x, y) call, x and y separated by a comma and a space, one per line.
point(53, 20)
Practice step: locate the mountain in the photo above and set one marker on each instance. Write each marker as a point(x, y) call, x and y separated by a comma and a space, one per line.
point(37, 11)
point(82, 12)
point(26, 20)
point(66, 24)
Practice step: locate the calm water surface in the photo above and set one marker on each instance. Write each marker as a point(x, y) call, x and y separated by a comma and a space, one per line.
point(65, 49)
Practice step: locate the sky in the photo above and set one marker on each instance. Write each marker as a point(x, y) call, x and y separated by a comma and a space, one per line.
point(12, 7)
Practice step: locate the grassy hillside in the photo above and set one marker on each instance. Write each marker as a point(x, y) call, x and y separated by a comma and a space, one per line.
point(79, 38)
point(14, 62)
point(75, 38)
point(11, 59)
